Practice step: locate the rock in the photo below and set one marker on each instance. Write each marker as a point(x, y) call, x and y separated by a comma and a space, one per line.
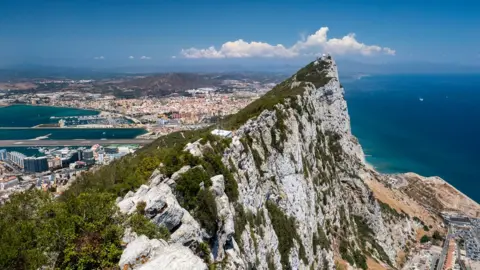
point(145, 254)
point(194, 148)
point(156, 179)
point(140, 251)
point(190, 231)
point(218, 185)
point(161, 205)
point(175, 257)
point(129, 236)
point(177, 174)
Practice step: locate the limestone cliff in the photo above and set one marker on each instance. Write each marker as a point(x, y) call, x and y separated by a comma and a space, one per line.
point(303, 201)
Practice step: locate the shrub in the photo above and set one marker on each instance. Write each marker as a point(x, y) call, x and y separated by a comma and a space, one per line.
point(424, 239)
point(141, 207)
point(142, 225)
point(206, 212)
point(286, 232)
point(188, 186)
point(240, 222)
point(311, 73)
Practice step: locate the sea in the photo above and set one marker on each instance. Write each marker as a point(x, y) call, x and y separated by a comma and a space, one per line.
point(427, 124)
point(29, 116)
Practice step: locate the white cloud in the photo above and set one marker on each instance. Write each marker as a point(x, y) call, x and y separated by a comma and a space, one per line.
point(173, 57)
point(313, 44)
point(145, 57)
point(99, 57)
point(131, 57)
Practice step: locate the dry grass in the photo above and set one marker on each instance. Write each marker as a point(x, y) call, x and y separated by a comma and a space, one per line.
point(374, 265)
point(401, 258)
point(340, 264)
point(401, 202)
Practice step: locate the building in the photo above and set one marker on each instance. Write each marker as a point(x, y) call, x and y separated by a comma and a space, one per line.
point(222, 133)
point(55, 163)
point(89, 157)
point(8, 182)
point(35, 164)
point(3, 154)
point(110, 150)
point(16, 158)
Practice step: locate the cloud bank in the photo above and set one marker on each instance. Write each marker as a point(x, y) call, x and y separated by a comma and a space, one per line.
point(314, 44)
point(145, 57)
point(99, 57)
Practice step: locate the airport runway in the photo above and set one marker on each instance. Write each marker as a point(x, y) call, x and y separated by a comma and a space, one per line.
point(19, 143)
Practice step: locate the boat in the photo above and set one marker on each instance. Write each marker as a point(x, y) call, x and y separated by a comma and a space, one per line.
point(421, 99)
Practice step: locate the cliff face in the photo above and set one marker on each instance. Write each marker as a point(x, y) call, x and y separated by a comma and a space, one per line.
point(303, 201)
point(312, 170)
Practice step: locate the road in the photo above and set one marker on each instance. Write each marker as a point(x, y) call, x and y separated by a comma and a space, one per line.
point(5, 143)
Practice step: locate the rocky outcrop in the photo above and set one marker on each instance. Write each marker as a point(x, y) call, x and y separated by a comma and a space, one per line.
point(303, 157)
point(161, 205)
point(303, 201)
point(145, 254)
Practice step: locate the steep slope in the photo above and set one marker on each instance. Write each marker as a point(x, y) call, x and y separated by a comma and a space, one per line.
point(289, 190)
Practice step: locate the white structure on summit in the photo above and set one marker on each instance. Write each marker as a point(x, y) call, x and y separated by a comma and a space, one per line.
point(222, 133)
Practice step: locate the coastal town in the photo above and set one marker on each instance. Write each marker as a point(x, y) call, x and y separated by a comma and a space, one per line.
point(53, 168)
point(195, 108)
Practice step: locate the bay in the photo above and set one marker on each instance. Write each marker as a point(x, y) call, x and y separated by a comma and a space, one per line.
point(29, 116)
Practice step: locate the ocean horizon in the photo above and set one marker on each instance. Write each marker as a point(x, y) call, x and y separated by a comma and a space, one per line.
point(426, 124)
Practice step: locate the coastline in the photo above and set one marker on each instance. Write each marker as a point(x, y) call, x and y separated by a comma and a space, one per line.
point(443, 189)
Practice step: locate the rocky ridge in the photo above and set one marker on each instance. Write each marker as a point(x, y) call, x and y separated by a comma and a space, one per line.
point(304, 200)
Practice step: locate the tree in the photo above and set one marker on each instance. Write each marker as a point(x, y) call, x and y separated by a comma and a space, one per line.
point(424, 239)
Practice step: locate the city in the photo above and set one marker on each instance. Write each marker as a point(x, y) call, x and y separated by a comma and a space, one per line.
point(194, 108)
point(55, 168)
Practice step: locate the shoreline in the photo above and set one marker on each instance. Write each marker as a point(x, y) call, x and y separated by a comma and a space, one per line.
point(433, 179)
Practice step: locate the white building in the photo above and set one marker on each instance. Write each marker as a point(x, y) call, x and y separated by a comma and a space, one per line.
point(222, 133)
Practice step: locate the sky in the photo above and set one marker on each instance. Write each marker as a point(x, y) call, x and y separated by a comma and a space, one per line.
point(162, 32)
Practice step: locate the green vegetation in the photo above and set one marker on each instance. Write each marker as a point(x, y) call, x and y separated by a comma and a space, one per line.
point(270, 262)
point(286, 232)
point(258, 161)
point(365, 234)
point(424, 239)
point(391, 212)
point(240, 223)
point(82, 227)
point(188, 187)
point(311, 73)
point(142, 225)
point(437, 236)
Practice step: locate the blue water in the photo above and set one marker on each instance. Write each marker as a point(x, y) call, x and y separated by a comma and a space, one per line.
point(436, 136)
point(29, 116)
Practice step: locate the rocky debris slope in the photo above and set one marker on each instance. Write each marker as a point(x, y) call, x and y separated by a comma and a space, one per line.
point(301, 200)
point(433, 193)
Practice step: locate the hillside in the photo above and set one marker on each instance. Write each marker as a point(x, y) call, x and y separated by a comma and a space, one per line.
point(290, 190)
point(169, 83)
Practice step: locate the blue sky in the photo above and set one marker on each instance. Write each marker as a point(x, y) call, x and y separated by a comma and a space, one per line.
point(109, 32)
